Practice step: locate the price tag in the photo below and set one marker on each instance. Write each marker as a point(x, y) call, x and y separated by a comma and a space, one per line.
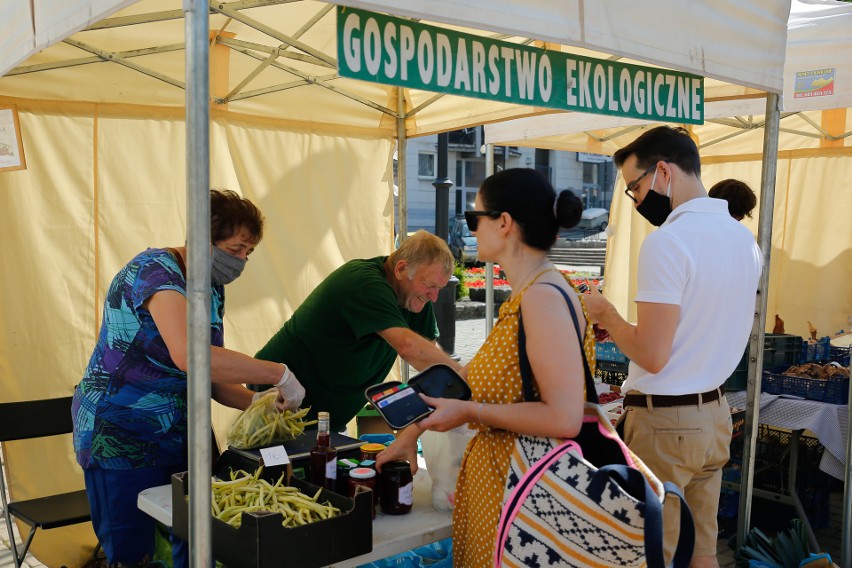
point(275, 455)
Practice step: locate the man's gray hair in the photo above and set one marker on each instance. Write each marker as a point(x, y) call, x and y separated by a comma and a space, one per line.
point(421, 249)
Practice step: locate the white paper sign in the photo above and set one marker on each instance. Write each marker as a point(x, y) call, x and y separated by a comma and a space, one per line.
point(276, 455)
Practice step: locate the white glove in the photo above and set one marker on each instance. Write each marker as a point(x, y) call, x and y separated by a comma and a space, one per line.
point(291, 389)
point(280, 402)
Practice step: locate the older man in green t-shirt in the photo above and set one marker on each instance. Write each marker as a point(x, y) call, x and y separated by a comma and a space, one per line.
point(346, 335)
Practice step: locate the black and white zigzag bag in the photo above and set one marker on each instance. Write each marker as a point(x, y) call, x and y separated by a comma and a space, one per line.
point(584, 502)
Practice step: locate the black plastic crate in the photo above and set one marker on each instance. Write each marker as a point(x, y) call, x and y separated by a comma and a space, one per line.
point(779, 349)
point(771, 461)
point(261, 541)
point(613, 366)
point(839, 355)
point(611, 377)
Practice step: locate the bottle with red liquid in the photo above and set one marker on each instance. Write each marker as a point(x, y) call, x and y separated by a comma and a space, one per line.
point(324, 456)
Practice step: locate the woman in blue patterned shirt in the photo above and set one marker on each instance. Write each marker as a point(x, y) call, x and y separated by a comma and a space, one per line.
point(130, 409)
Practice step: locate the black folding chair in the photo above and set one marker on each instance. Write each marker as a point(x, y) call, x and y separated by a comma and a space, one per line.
point(37, 419)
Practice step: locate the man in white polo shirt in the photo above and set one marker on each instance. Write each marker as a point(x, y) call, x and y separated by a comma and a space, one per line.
point(697, 280)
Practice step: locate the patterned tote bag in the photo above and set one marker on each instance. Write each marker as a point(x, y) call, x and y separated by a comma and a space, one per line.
point(584, 502)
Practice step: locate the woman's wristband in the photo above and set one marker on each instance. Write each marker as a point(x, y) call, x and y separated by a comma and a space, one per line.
point(479, 412)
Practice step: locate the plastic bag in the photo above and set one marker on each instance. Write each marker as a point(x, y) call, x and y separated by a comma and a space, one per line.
point(262, 424)
point(443, 452)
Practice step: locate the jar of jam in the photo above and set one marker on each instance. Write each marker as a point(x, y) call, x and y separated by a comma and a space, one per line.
point(344, 466)
point(363, 477)
point(370, 451)
point(396, 491)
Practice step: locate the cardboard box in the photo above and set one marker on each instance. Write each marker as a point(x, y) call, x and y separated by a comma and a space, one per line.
point(261, 541)
point(738, 416)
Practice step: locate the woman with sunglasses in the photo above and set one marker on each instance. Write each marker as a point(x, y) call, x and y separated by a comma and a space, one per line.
point(516, 220)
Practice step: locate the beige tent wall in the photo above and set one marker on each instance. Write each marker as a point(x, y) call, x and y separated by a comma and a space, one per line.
point(810, 278)
point(105, 182)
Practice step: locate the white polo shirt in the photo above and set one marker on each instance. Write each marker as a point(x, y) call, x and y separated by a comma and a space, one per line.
point(709, 264)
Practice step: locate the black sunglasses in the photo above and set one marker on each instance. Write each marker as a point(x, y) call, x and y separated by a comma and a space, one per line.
point(633, 185)
point(472, 217)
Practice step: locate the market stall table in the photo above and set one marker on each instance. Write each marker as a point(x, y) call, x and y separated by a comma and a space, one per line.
point(392, 534)
point(828, 422)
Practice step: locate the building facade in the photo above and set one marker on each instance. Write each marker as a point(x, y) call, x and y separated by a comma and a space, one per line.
point(590, 176)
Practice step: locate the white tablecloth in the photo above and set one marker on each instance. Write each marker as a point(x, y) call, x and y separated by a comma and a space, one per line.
point(828, 422)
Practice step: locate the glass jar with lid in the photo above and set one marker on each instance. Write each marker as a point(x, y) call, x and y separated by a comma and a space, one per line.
point(396, 488)
point(363, 477)
point(371, 450)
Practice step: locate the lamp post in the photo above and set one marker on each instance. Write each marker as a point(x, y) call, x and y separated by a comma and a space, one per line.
point(445, 307)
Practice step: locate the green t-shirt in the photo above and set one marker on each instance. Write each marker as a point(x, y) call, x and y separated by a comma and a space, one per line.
point(331, 343)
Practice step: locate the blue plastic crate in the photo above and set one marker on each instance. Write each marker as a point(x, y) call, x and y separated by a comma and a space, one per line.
point(832, 390)
point(609, 351)
point(816, 351)
point(772, 382)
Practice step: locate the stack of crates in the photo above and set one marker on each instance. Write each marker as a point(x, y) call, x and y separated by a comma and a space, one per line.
point(779, 350)
point(612, 363)
point(771, 451)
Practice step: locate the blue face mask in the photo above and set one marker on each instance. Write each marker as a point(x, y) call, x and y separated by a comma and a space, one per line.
point(225, 268)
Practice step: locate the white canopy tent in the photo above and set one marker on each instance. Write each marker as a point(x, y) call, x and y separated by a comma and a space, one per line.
point(102, 118)
point(810, 274)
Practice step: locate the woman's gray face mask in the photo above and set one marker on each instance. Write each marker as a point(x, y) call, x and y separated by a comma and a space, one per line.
point(224, 267)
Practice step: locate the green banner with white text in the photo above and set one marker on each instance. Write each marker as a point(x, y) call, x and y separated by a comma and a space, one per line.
point(395, 51)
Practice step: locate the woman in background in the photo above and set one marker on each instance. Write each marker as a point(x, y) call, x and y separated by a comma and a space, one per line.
point(741, 199)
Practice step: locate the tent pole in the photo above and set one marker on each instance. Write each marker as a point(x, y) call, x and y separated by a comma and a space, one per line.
point(489, 266)
point(755, 362)
point(402, 184)
point(401, 172)
point(198, 280)
point(846, 525)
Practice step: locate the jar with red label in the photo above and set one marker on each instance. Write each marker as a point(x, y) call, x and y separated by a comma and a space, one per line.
point(396, 489)
point(363, 477)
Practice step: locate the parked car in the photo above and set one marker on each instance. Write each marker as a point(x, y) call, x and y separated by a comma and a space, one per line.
point(461, 241)
point(594, 218)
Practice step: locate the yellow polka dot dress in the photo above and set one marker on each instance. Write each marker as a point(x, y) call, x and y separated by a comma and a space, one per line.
point(494, 377)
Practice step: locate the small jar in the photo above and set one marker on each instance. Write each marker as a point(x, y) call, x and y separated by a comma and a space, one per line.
point(396, 492)
point(363, 477)
point(344, 466)
point(370, 451)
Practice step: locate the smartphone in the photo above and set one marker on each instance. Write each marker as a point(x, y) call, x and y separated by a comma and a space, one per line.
point(441, 381)
point(399, 404)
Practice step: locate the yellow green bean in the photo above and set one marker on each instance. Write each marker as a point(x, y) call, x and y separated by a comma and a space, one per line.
point(247, 493)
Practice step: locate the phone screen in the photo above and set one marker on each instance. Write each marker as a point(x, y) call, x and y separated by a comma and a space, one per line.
point(441, 382)
point(402, 406)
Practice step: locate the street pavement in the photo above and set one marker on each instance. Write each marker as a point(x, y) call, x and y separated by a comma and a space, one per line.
point(470, 334)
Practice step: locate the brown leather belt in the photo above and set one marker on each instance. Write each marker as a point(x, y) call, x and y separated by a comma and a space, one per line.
point(665, 401)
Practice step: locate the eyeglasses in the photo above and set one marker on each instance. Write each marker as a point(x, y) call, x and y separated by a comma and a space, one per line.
point(634, 185)
point(472, 217)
